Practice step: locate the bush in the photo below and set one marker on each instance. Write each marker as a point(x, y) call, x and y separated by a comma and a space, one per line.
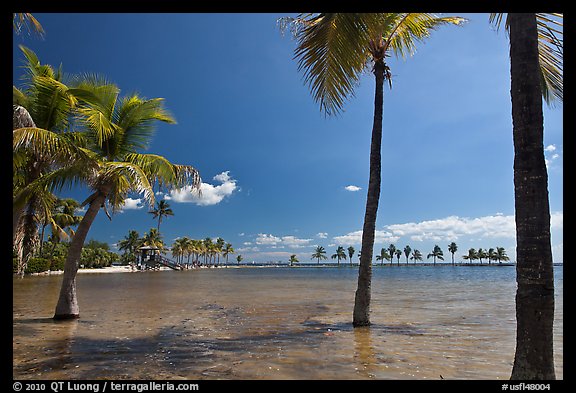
point(57, 263)
point(37, 265)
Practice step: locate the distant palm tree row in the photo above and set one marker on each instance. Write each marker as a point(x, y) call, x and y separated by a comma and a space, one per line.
point(206, 249)
point(388, 254)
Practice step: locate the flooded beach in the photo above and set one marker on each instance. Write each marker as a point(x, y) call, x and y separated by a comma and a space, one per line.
point(274, 323)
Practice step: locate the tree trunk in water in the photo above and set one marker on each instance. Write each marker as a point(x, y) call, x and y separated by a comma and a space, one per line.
point(67, 306)
point(361, 315)
point(534, 357)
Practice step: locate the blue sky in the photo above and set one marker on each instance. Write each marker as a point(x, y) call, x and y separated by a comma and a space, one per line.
point(281, 178)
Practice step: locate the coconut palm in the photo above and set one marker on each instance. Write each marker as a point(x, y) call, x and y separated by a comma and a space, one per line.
point(41, 115)
point(26, 19)
point(293, 260)
point(436, 253)
point(472, 255)
point(162, 209)
point(391, 251)
point(416, 256)
point(536, 71)
point(491, 255)
point(219, 248)
point(383, 256)
point(407, 251)
point(481, 254)
point(452, 247)
point(319, 253)
point(350, 253)
point(501, 255)
point(398, 255)
point(333, 50)
point(228, 249)
point(115, 130)
point(340, 254)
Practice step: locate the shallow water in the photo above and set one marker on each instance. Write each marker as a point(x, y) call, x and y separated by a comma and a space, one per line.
point(274, 323)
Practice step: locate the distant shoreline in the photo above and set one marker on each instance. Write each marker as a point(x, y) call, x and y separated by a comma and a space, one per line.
point(127, 269)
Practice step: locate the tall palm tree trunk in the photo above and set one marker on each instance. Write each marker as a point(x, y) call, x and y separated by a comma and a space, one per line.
point(361, 314)
point(67, 306)
point(534, 357)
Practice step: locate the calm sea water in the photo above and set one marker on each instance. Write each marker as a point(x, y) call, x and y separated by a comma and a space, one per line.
point(274, 323)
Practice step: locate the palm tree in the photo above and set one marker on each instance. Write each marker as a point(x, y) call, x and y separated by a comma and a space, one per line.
point(42, 142)
point(162, 209)
point(239, 258)
point(319, 253)
point(293, 260)
point(501, 255)
point(219, 248)
point(452, 247)
point(115, 130)
point(481, 254)
point(340, 254)
point(25, 19)
point(383, 256)
point(536, 61)
point(130, 243)
point(472, 255)
point(350, 253)
point(391, 252)
point(228, 249)
point(398, 255)
point(407, 251)
point(436, 253)
point(416, 256)
point(333, 50)
point(491, 255)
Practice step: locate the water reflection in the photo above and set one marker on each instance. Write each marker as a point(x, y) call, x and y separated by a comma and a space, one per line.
point(270, 324)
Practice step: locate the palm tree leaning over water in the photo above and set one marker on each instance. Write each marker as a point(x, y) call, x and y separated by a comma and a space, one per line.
point(536, 71)
point(115, 129)
point(333, 50)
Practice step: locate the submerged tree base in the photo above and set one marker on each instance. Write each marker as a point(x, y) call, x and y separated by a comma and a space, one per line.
point(63, 317)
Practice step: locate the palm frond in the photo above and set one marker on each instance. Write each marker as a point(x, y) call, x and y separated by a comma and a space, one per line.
point(332, 52)
point(410, 28)
point(550, 52)
point(26, 19)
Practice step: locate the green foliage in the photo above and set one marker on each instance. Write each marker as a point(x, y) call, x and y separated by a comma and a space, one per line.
point(37, 265)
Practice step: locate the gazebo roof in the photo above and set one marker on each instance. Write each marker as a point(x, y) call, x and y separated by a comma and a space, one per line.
point(148, 248)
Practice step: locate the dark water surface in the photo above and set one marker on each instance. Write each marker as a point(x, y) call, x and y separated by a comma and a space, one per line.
point(274, 323)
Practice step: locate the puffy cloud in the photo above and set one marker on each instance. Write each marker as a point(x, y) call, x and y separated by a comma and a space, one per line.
point(132, 204)
point(322, 235)
point(356, 238)
point(352, 188)
point(264, 239)
point(449, 229)
point(209, 194)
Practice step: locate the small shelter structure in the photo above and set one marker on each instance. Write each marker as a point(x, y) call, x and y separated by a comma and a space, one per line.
point(148, 257)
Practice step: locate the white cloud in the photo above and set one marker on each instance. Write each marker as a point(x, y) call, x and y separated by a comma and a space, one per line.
point(356, 238)
point(322, 235)
point(132, 204)
point(449, 229)
point(352, 188)
point(209, 194)
point(550, 148)
point(264, 239)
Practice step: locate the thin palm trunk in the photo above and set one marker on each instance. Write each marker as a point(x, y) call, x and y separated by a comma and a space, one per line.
point(67, 306)
point(361, 315)
point(534, 357)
